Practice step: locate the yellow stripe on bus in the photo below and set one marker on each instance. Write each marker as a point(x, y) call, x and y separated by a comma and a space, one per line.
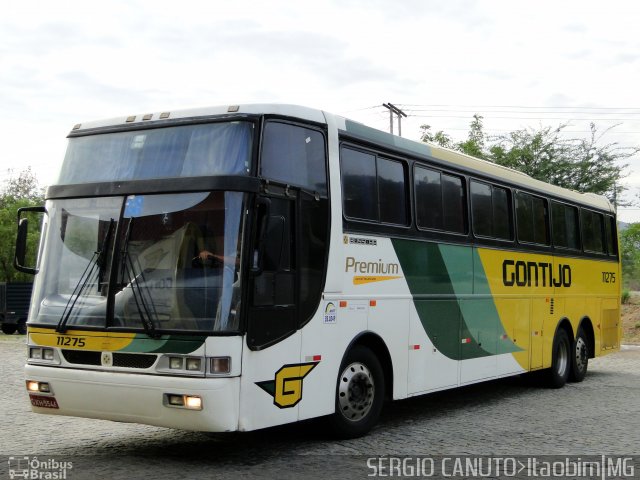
point(80, 339)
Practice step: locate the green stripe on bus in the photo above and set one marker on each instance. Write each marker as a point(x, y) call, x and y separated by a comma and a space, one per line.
point(437, 276)
point(165, 344)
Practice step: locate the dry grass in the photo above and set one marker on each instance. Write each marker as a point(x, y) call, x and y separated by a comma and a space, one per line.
point(631, 320)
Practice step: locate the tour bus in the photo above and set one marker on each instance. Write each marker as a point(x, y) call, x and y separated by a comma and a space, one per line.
point(240, 267)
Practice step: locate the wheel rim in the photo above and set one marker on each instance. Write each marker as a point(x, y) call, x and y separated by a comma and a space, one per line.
point(356, 392)
point(562, 359)
point(581, 354)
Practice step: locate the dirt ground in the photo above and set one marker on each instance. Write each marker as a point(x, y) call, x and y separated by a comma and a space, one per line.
point(631, 320)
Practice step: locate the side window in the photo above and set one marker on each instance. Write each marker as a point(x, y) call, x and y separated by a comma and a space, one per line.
point(481, 210)
point(531, 217)
point(610, 235)
point(428, 187)
point(392, 196)
point(491, 214)
point(565, 226)
point(593, 231)
point(453, 204)
point(359, 184)
point(440, 201)
point(501, 213)
point(373, 188)
point(294, 155)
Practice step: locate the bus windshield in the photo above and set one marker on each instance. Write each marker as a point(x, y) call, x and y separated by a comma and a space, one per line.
point(167, 262)
point(182, 151)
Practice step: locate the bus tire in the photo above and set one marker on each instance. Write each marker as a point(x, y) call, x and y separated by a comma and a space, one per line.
point(580, 357)
point(9, 328)
point(359, 394)
point(558, 374)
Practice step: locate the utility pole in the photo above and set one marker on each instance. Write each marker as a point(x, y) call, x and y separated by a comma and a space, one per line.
point(393, 109)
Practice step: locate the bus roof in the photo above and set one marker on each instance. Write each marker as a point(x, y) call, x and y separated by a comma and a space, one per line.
point(358, 130)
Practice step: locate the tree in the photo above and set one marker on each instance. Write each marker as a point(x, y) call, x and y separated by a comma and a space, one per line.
point(475, 143)
point(630, 256)
point(584, 165)
point(18, 191)
point(439, 138)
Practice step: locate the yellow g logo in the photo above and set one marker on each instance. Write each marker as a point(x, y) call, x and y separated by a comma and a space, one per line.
point(286, 389)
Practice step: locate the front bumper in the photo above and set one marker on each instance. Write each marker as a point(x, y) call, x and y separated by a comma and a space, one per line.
point(135, 398)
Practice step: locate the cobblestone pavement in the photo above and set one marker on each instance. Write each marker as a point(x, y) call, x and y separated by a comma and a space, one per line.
point(508, 417)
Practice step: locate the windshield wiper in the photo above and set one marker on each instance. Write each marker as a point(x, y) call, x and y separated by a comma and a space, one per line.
point(97, 260)
point(127, 267)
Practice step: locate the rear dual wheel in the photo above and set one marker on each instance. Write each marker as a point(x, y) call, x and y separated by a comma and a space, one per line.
point(580, 357)
point(558, 374)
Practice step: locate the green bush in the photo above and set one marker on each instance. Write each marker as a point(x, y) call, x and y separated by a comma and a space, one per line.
point(626, 295)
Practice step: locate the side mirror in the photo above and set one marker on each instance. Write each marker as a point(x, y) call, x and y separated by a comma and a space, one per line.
point(21, 240)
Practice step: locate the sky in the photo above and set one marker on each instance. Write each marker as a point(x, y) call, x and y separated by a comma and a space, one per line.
point(520, 64)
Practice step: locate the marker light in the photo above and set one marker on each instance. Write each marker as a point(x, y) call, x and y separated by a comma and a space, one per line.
point(193, 364)
point(221, 365)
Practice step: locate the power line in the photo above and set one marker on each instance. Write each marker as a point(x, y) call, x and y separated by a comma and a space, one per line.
point(407, 105)
point(532, 118)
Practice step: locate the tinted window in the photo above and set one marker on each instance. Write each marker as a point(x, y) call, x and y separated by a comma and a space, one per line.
point(391, 192)
point(481, 208)
point(610, 235)
point(490, 210)
point(531, 214)
point(294, 155)
point(593, 231)
point(501, 217)
point(182, 151)
point(359, 184)
point(565, 226)
point(453, 204)
point(428, 189)
point(439, 201)
point(373, 188)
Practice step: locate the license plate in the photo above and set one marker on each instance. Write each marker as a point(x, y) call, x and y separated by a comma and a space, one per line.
point(43, 402)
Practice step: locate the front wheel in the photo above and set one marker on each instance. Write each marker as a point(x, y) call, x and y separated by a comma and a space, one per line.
point(359, 394)
point(580, 357)
point(560, 361)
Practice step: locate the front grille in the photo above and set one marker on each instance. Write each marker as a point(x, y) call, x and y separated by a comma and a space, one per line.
point(123, 360)
point(81, 358)
point(133, 360)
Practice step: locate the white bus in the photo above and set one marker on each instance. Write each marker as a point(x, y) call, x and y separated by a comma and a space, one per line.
point(247, 266)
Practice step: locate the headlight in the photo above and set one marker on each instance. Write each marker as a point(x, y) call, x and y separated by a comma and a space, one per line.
point(41, 353)
point(175, 363)
point(35, 353)
point(194, 364)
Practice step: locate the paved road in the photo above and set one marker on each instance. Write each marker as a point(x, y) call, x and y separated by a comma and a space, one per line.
point(509, 417)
